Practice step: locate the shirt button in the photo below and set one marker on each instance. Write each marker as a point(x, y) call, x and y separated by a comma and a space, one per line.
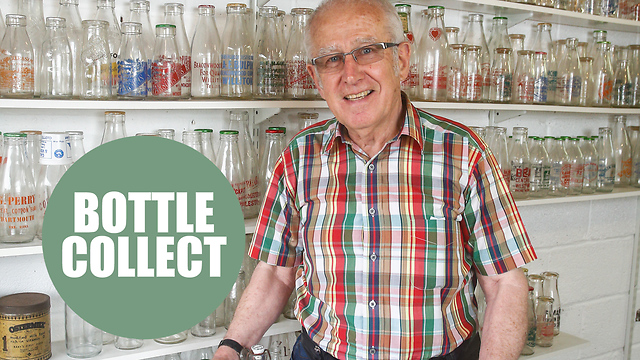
point(372, 304)
point(373, 256)
point(371, 167)
point(372, 351)
point(372, 211)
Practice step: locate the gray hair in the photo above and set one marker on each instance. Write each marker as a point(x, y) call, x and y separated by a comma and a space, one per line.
point(393, 24)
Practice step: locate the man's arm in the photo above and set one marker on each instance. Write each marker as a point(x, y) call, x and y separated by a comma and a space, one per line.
point(505, 320)
point(260, 305)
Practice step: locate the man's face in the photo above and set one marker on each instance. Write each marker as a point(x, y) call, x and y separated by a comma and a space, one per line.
point(362, 97)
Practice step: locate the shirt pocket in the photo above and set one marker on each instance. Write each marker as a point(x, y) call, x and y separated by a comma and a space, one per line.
point(433, 252)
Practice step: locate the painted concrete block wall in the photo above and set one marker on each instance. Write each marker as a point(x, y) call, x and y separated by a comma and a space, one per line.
point(590, 244)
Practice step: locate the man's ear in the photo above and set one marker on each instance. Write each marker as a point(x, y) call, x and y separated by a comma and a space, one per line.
point(404, 53)
point(316, 78)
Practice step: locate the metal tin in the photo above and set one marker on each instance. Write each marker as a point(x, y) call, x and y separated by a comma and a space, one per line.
point(25, 327)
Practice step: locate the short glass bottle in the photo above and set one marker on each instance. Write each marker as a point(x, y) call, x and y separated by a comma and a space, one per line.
point(474, 82)
point(132, 64)
point(590, 159)
point(622, 94)
point(550, 288)
point(114, 127)
point(17, 59)
point(57, 61)
point(457, 77)
point(544, 321)
point(474, 35)
point(165, 73)
point(520, 164)
point(95, 61)
point(606, 161)
point(524, 78)
point(540, 169)
point(501, 76)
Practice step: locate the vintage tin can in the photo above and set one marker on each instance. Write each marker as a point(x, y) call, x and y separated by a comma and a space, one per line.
point(25, 327)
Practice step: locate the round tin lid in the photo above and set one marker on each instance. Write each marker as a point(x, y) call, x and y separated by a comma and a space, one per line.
point(24, 303)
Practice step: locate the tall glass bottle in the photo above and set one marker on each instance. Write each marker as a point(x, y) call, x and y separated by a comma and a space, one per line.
point(550, 288)
point(520, 164)
point(606, 161)
point(269, 66)
point(634, 69)
point(96, 62)
point(497, 140)
point(501, 76)
point(474, 82)
point(16, 59)
point(586, 65)
point(569, 76)
point(32, 9)
point(69, 10)
point(16, 181)
point(57, 61)
point(299, 84)
point(239, 120)
point(205, 55)
point(106, 12)
point(132, 63)
point(576, 160)
point(545, 321)
point(410, 84)
point(192, 139)
point(524, 78)
point(622, 85)
point(474, 35)
point(499, 35)
point(206, 144)
point(622, 150)
point(597, 36)
point(229, 162)
point(433, 54)
point(540, 169)
point(232, 300)
point(173, 14)
point(544, 43)
point(517, 44)
point(540, 78)
point(590, 159)
point(165, 74)
point(139, 12)
point(237, 54)
point(602, 76)
point(55, 161)
point(113, 126)
point(32, 148)
point(457, 76)
point(556, 162)
point(274, 143)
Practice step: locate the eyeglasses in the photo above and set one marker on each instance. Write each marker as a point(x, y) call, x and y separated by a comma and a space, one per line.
point(364, 55)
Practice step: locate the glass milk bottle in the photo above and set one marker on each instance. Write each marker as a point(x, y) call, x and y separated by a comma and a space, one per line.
point(299, 84)
point(205, 55)
point(622, 150)
point(76, 138)
point(132, 63)
point(575, 159)
point(540, 78)
point(501, 76)
point(269, 66)
point(622, 85)
point(524, 78)
point(457, 77)
point(139, 12)
point(590, 159)
point(16, 182)
point(499, 35)
point(57, 61)
point(236, 73)
point(107, 13)
point(520, 164)
point(173, 14)
point(113, 126)
point(569, 76)
point(544, 43)
point(540, 169)
point(606, 161)
point(550, 288)
point(602, 76)
point(474, 82)
point(229, 162)
point(69, 10)
point(165, 73)
point(434, 61)
point(410, 84)
point(32, 9)
point(239, 120)
point(96, 62)
point(16, 59)
point(474, 35)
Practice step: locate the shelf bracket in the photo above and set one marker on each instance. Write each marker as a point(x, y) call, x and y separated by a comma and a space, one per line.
point(261, 115)
point(515, 17)
point(498, 116)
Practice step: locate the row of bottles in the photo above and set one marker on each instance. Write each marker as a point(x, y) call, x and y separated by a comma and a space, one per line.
point(623, 9)
point(559, 166)
point(543, 311)
point(564, 72)
point(65, 57)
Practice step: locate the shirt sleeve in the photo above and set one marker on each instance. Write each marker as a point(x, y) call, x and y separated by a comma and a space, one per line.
point(496, 233)
point(276, 235)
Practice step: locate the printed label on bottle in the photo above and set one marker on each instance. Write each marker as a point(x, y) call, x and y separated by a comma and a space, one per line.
point(625, 172)
point(165, 78)
point(501, 82)
point(605, 87)
point(435, 33)
point(298, 78)
point(237, 70)
point(474, 87)
point(524, 91)
point(411, 81)
point(435, 80)
point(569, 88)
point(132, 77)
point(565, 175)
point(270, 76)
point(540, 90)
point(206, 77)
point(18, 212)
point(520, 178)
point(184, 71)
point(16, 73)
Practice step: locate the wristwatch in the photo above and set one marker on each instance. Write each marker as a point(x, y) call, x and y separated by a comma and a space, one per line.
point(232, 344)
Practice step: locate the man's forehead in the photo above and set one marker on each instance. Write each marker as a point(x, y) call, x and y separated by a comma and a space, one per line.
point(333, 47)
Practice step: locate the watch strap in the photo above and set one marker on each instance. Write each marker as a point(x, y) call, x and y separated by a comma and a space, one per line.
point(232, 344)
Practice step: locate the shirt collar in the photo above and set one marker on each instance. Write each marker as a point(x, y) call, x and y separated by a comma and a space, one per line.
point(411, 127)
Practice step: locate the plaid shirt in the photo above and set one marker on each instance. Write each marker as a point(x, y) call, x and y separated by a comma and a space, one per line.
point(386, 248)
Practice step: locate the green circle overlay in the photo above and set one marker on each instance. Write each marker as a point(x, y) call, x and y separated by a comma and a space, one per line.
point(145, 307)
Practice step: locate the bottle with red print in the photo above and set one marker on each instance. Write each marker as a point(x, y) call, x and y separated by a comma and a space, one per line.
point(520, 164)
point(434, 63)
point(173, 14)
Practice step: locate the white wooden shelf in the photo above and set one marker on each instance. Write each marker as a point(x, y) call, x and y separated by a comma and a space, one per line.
point(561, 342)
point(152, 349)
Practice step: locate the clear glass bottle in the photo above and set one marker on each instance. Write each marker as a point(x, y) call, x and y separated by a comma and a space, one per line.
point(531, 328)
point(232, 300)
point(165, 73)
point(609, 8)
point(501, 76)
point(205, 55)
point(201, 354)
point(269, 65)
point(57, 61)
point(550, 288)
point(299, 84)
point(499, 37)
point(520, 164)
point(173, 14)
point(306, 119)
point(76, 141)
point(457, 77)
point(167, 133)
point(229, 162)
point(114, 127)
point(69, 10)
point(206, 327)
point(496, 138)
point(575, 159)
point(586, 65)
point(602, 76)
point(258, 352)
point(540, 78)
point(582, 48)
point(474, 35)
point(132, 63)
point(96, 62)
point(622, 150)
point(569, 76)
point(106, 12)
point(16, 181)
point(590, 160)
point(274, 143)
point(32, 9)
point(540, 169)
point(82, 339)
point(545, 321)
point(597, 36)
point(622, 94)
point(173, 339)
point(544, 43)
point(474, 82)
point(124, 343)
point(556, 162)
point(206, 143)
point(32, 146)
point(433, 55)
point(16, 59)
point(524, 78)
point(55, 160)
point(192, 139)
point(606, 161)
point(517, 44)
point(139, 12)
point(634, 70)
point(410, 84)
point(452, 34)
point(239, 120)
point(237, 54)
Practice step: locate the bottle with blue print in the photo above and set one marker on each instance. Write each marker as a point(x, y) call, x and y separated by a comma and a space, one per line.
point(269, 65)
point(132, 63)
point(236, 72)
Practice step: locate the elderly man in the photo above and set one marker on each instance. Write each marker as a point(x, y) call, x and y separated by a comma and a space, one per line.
point(384, 218)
